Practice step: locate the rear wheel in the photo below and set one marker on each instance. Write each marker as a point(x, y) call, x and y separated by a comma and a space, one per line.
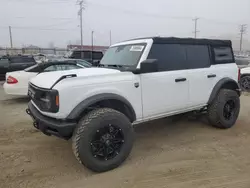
point(103, 139)
point(224, 110)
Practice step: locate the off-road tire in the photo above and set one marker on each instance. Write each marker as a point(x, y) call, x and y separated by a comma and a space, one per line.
point(88, 126)
point(215, 109)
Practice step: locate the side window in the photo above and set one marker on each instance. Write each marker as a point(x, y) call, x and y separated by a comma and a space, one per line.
point(223, 55)
point(50, 68)
point(198, 56)
point(4, 61)
point(97, 55)
point(54, 68)
point(87, 55)
point(69, 67)
point(83, 63)
point(22, 60)
point(76, 55)
point(170, 56)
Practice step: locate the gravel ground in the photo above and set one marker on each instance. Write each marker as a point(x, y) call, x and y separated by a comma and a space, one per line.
point(180, 153)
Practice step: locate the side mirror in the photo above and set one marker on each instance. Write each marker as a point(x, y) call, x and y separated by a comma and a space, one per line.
point(149, 65)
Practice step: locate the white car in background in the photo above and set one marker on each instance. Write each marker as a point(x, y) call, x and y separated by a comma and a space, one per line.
point(17, 81)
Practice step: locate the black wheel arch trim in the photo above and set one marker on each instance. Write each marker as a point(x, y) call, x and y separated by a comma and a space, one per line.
point(219, 85)
point(76, 112)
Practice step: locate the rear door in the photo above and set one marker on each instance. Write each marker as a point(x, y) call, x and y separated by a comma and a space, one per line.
point(208, 65)
point(202, 77)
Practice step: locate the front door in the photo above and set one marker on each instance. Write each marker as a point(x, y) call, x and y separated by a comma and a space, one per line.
point(166, 91)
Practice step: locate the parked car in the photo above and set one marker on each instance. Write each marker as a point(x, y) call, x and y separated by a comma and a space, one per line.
point(93, 57)
point(245, 79)
point(17, 81)
point(242, 62)
point(15, 63)
point(137, 81)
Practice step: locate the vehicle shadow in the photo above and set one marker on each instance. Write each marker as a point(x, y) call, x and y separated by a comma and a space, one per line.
point(15, 100)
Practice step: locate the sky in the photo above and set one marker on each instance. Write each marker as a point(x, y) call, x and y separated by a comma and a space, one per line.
point(55, 22)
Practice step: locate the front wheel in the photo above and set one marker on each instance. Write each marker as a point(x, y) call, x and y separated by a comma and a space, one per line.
point(224, 110)
point(103, 139)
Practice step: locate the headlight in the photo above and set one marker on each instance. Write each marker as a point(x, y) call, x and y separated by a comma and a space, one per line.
point(47, 101)
point(50, 101)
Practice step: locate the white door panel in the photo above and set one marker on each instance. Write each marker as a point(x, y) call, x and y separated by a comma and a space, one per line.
point(203, 81)
point(201, 86)
point(161, 94)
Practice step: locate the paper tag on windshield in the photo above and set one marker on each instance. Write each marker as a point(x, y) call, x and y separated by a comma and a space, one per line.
point(137, 48)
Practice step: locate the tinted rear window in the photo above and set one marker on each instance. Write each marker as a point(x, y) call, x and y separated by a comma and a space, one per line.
point(223, 55)
point(198, 56)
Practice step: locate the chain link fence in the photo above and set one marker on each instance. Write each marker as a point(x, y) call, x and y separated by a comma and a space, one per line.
point(33, 51)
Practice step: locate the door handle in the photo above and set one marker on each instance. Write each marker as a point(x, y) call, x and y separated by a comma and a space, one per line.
point(211, 75)
point(180, 79)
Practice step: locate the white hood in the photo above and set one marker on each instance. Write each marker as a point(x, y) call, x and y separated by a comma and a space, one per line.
point(47, 79)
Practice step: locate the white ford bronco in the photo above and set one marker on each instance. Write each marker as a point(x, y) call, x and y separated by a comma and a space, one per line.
point(136, 81)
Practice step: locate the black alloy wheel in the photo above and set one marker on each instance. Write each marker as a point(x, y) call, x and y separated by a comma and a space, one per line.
point(107, 142)
point(103, 139)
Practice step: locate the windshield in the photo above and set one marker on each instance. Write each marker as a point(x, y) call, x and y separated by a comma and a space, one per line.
point(84, 63)
point(124, 55)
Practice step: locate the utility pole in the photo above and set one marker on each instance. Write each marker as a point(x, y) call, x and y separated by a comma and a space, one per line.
point(11, 43)
point(195, 27)
point(243, 29)
point(110, 38)
point(80, 14)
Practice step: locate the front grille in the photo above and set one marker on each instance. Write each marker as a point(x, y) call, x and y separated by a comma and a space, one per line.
point(36, 95)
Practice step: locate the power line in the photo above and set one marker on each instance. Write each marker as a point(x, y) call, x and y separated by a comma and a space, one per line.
point(126, 11)
point(57, 24)
point(37, 28)
point(52, 18)
point(42, 2)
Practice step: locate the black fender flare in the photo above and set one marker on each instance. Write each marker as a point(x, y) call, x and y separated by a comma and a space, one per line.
point(220, 84)
point(76, 112)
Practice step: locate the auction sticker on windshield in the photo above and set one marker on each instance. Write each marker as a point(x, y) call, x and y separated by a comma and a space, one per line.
point(137, 48)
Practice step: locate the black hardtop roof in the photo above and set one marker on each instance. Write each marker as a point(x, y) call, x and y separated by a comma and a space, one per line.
point(200, 41)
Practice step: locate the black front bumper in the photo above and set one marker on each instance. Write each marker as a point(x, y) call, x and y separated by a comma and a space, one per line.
point(50, 126)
